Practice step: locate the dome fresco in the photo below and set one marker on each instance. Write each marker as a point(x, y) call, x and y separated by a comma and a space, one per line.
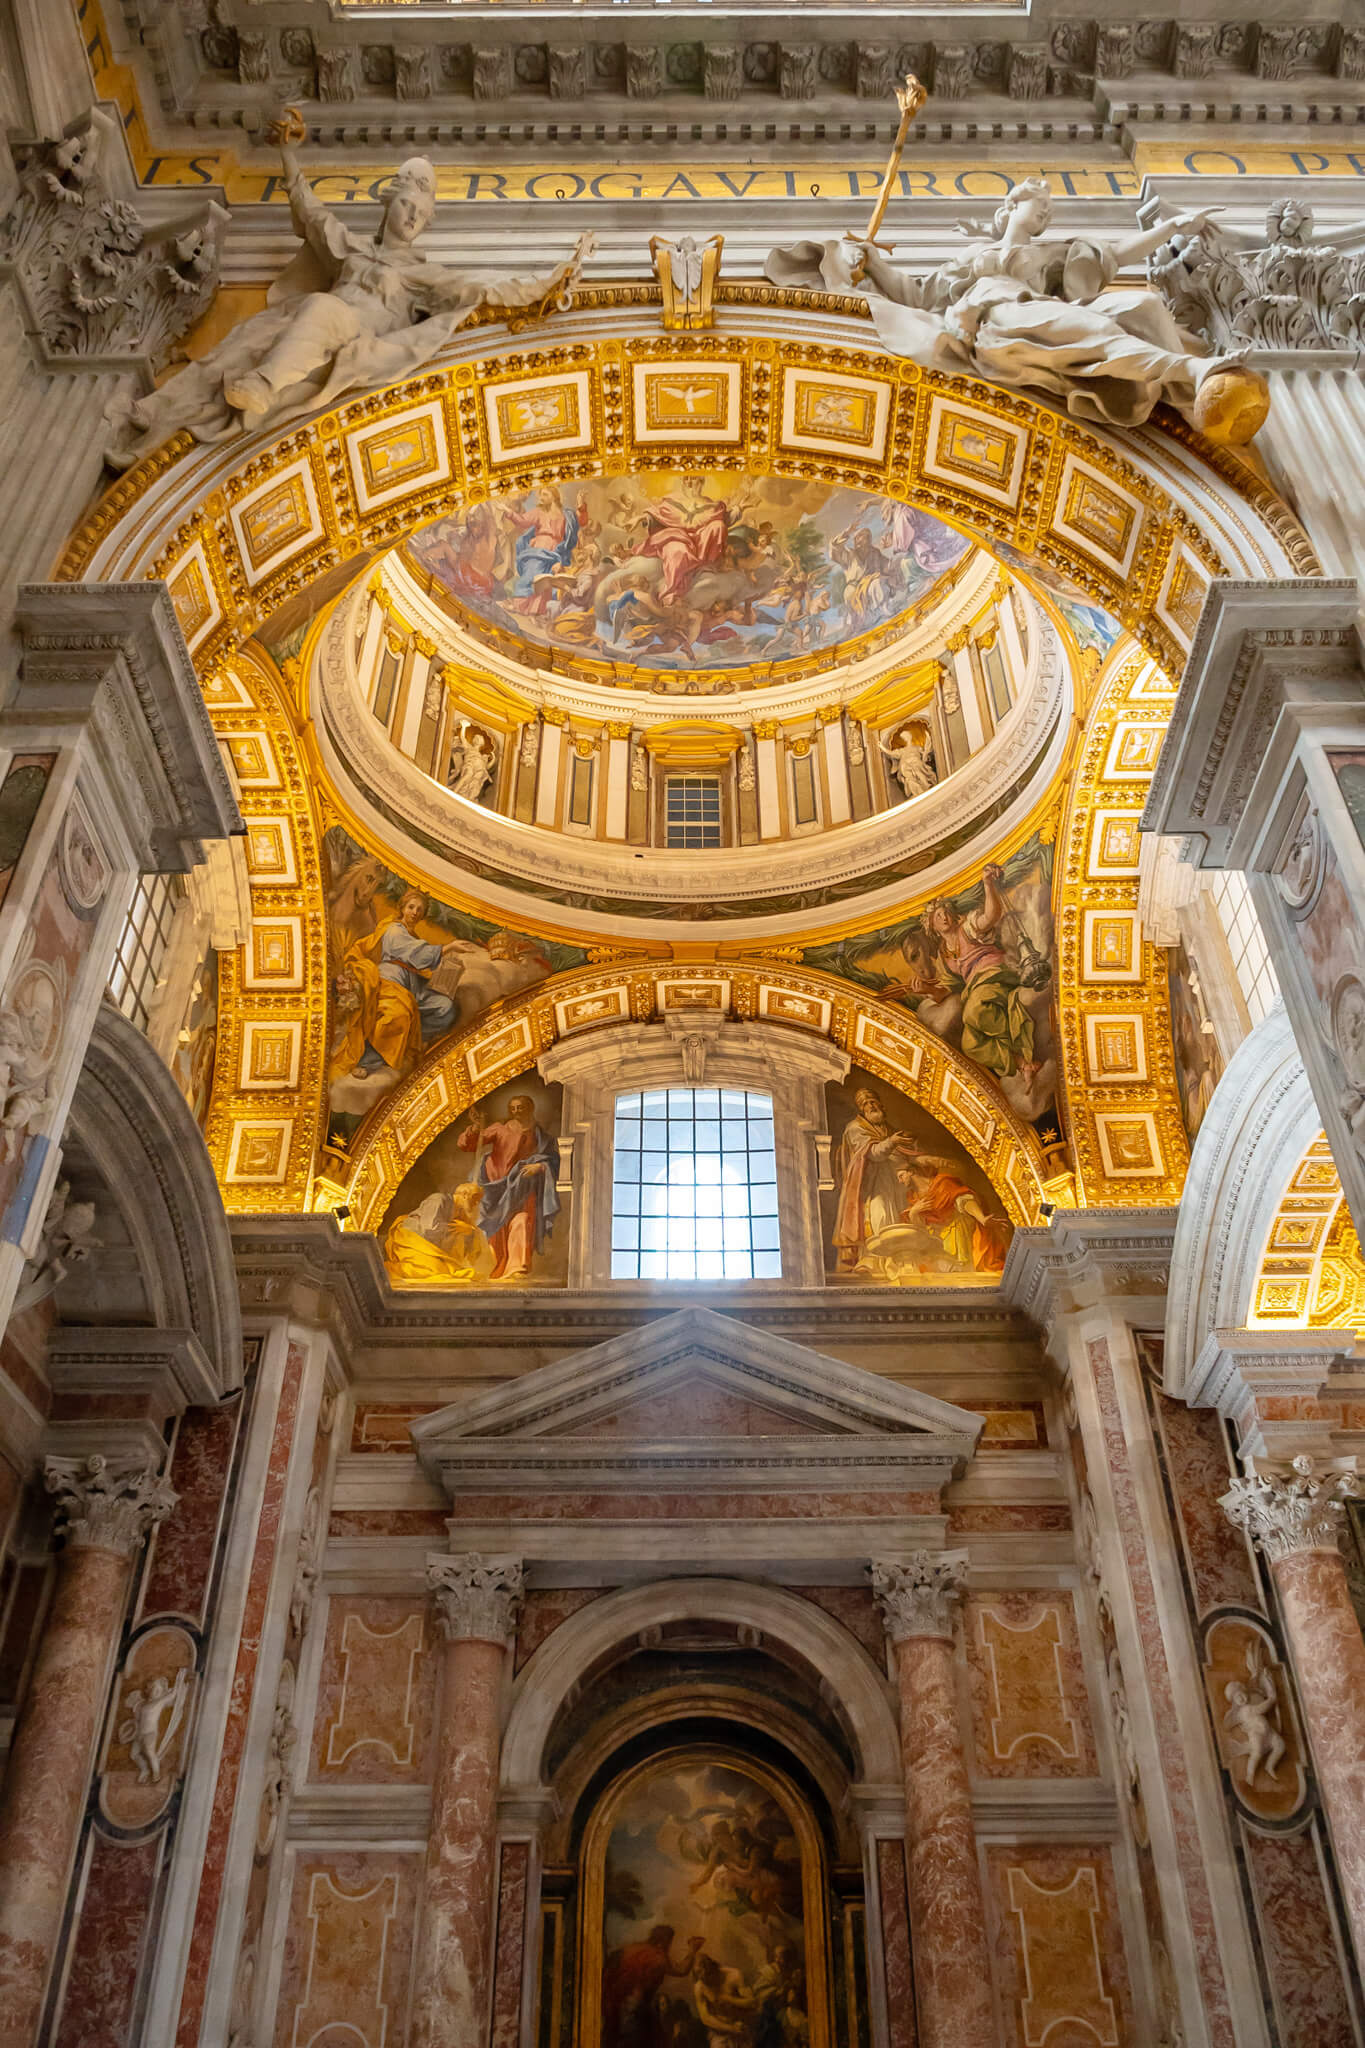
point(686, 571)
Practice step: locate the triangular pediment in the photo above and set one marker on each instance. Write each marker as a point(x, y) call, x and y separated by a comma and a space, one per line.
point(696, 1386)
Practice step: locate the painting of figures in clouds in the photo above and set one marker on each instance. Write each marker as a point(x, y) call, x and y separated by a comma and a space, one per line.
point(405, 970)
point(481, 1205)
point(687, 572)
point(909, 1207)
point(703, 1911)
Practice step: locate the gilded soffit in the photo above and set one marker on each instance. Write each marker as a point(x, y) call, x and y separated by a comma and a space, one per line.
point(1139, 522)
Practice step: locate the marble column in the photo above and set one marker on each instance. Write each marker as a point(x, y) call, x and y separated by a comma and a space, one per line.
point(948, 1942)
point(476, 1600)
point(106, 1506)
point(1291, 1515)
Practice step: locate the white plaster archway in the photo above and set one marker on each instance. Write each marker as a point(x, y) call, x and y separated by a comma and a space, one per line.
point(1261, 1121)
point(549, 1677)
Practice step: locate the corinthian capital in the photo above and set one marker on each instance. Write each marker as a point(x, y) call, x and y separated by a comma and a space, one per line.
point(1287, 1511)
point(107, 1503)
point(917, 1598)
point(476, 1597)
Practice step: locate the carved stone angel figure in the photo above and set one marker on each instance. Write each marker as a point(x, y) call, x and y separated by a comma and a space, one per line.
point(154, 1713)
point(350, 310)
point(1252, 1720)
point(912, 761)
point(472, 758)
point(1027, 312)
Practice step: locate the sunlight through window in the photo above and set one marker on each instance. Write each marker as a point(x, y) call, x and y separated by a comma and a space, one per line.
point(694, 1186)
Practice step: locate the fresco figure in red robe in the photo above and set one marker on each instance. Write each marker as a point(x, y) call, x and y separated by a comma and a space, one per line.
point(632, 1979)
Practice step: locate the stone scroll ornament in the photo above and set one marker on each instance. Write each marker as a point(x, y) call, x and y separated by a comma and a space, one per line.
point(1288, 292)
point(97, 281)
point(350, 311)
point(1036, 313)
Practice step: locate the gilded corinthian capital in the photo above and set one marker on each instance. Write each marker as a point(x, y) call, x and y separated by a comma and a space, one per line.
point(1287, 1511)
point(107, 1503)
point(476, 1598)
point(917, 1597)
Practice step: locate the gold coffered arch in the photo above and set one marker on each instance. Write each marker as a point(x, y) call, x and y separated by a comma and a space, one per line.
point(508, 1040)
point(1141, 522)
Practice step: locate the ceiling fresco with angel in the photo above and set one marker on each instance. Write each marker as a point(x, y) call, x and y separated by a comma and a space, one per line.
point(687, 571)
point(404, 970)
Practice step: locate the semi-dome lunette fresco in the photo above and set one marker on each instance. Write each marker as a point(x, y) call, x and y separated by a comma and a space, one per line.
point(687, 570)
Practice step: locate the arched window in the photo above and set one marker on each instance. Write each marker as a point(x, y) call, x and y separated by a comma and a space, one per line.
point(694, 1186)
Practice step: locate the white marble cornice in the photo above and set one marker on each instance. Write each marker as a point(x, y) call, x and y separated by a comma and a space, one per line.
point(1087, 1255)
point(1252, 643)
point(308, 1269)
point(115, 653)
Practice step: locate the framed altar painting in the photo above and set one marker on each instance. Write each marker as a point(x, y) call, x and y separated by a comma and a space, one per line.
point(704, 1910)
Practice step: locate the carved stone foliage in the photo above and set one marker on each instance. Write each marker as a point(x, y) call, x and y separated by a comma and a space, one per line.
point(107, 1503)
point(308, 1569)
point(1291, 1511)
point(476, 1598)
point(96, 282)
point(723, 72)
point(918, 1598)
point(279, 1761)
point(1292, 292)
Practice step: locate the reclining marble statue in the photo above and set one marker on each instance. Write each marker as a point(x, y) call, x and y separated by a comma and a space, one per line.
point(1039, 314)
point(350, 311)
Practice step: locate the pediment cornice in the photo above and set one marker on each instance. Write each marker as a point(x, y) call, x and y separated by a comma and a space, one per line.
point(767, 1414)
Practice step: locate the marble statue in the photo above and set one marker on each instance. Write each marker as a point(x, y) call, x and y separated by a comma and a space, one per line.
point(153, 1715)
point(349, 311)
point(912, 762)
point(471, 762)
point(1038, 314)
point(1251, 1721)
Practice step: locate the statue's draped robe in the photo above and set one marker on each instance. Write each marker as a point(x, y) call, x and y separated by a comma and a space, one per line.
point(1036, 318)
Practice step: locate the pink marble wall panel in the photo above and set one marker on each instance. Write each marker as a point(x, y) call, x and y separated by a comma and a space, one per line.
point(695, 1409)
point(1220, 1568)
point(1010, 1425)
point(345, 1524)
point(1298, 1940)
point(383, 1427)
point(348, 1951)
point(509, 1945)
point(31, 1586)
point(214, 1870)
point(856, 1609)
point(182, 1553)
point(1061, 1969)
point(374, 1723)
point(572, 1507)
point(1189, 1850)
point(900, 1982)
point(97, 2008)
point(1030, 1709)
point(989, 1518)
point(542, 1612)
